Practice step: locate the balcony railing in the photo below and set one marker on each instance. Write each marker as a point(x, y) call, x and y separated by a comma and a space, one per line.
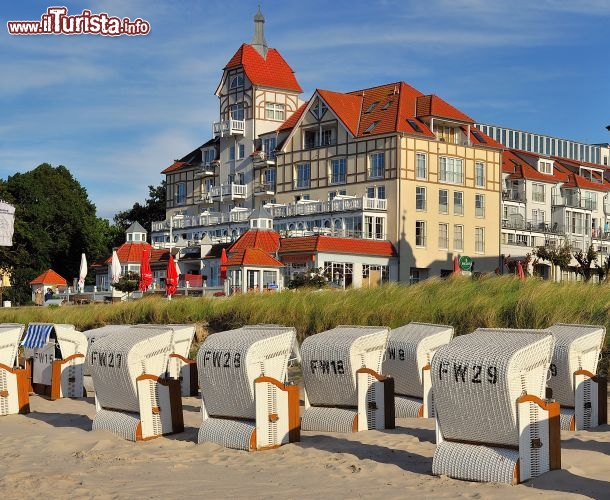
point(229, 191)
point(206, 169)
point(574, 201)
point(513, 195)
point(229, 127)
point(261, 159)
point(264, 189)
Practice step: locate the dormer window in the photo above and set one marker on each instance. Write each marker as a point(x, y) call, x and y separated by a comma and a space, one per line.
point(372, 107)
point(592, 174)
point(545, 167)
point(236, 81)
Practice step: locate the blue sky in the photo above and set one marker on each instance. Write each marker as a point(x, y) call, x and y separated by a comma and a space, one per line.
point(117, 111)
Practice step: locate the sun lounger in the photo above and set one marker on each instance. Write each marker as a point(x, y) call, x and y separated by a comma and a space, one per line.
point(134, 398)
point(407, 360)
point(14, 383)
point(57, 353)
point(573, 383)
point(345, 391)
point(246, 403)
point(493, 423)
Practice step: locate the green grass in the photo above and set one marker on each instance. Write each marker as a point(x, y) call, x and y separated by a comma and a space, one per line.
point(464, 303)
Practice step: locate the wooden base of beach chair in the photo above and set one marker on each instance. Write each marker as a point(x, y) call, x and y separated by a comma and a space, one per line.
point(14, 391)
point(591, 400)
point(376, 406)
point(185, 370)
point(160, 412)
point(67, 377)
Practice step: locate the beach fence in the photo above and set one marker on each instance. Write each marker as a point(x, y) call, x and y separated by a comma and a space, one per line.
point(493, 422)
point(246, 401)
point(14, 383)
point(344, 388)
point(56, 353)
point(410, 350)
point(134, 398)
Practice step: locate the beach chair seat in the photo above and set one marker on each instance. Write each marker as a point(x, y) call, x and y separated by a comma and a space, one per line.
point(57, 353)
point(246, 402)
point(493, 423)
point(410, 350)
point(180, 366)
point(134, 399)
point(14, 383)
point(574, 383)
point(344, 388)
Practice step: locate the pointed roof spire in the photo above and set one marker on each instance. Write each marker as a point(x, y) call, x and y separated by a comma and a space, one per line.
point(258, 41)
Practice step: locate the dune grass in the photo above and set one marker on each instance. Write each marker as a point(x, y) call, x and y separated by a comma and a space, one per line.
point(464, 303)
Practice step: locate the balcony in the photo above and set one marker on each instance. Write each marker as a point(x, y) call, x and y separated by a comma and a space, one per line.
point(513, 195)
point(264, 190)
point(338, 204)
point(206, 170)
point(518, 223)
point(261, 159)
point(229, 127)
point(226, 192)
point(574, 200)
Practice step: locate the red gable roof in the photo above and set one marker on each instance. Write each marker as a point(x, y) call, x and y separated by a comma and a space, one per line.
point(253, 257)
point(432, 105)
point(520, 166)
point(173, 167)
point(294, 118)
point(131, 253)
point(308, 244)
point(272, 71)
point(347, 107)
point(267, 241)
point(49, 277)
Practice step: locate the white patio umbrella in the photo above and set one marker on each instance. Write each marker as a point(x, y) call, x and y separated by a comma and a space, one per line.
point(82, 273)
point(115, 268)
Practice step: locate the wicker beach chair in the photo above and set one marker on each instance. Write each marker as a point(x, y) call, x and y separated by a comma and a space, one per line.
point(493, 424)
point(345, 391)
point(14, 383)
point(134, 399)
point(246, 403)
point(180, 366)
point(573, 383)
point(57, 354)
point(407, 360)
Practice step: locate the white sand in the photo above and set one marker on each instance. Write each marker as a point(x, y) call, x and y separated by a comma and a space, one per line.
point(53, 453)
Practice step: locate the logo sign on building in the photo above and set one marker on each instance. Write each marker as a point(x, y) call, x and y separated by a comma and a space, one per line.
point(465, 263)
point(7, 224)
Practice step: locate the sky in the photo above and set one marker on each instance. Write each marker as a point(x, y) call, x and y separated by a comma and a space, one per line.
point(118, 110)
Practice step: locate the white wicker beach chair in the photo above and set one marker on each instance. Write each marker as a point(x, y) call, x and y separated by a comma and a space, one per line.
point(573, 383)
point(345, 391)
point(407, 360)
point(133, 398)
point(180, 366)
point(14, 382)
point(246, 403)
point(57, 353)
point(493, 423)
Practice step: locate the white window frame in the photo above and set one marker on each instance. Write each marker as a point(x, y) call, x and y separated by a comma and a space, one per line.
point(237, 111)
point(545, 166)
point(376, 165)
point(538, 192)
point(443, 236)
point(479, 240)
point(420, 198)
point(420, 233)
point(421, 165)
point(479, 174)
point(479, 205)
point(458, 208)
point(443, 208)
point(275, 111)
point(458, 237)
point(451, 170)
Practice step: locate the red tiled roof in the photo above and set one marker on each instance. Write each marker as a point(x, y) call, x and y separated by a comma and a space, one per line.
point(321, 243)
point(253, 257)
point(347, 107)
point(272, 71)
point(267, 241)
point(294, 118)
point(519, 165)
point(173, 167)
point(49, 277)
point(432, 105)
point(131, 253)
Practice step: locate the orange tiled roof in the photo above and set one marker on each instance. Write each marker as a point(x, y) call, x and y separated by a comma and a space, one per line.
point(130, 253)
point(308, 244)
point(253, 257)
point(293, 119)
point(272, 71)
point(346, 106)
point(173, 167)
point(267, 241)
point(49, 277)
point(432, 105)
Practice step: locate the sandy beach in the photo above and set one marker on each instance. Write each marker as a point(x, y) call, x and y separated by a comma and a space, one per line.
point(52, 452)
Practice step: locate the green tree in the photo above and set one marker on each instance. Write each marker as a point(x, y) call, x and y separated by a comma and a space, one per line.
point(54, 224)
point(585, 261)
point(128, 283)
point(558, 256)
point(313, 278)
point(153, 210)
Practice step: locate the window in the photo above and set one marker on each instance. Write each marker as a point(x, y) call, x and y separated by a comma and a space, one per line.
point(237, 111)
point(241, 151)
point(451, 170)
point(420, 233)
point(303, 176)
point(231, 153)
point(269, 177)
point(274, 111)
point(458, 203)
point(372, 107)
point(418, 274)
point(479, 205)
point(376, 192)
point(371, 127)
point(545, 167)
point(236, 81)
point(479, 174)
point(209, 155)
point(421, 171)
point(443, 236)
point(326, 139)
point(377, 165)
point(338, 171)
point(443, 201)
point(538, 193)
point(420, 198)
point(479, 240)
point(458, 237)
point(374, 227)
point(269, 147)
point(313, 139)
point(181, 193)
